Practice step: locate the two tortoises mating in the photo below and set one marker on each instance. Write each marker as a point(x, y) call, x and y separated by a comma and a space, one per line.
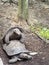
point(14, 48)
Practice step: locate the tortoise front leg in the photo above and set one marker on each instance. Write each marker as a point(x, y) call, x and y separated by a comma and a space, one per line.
point(25, 56)
point(14, 59)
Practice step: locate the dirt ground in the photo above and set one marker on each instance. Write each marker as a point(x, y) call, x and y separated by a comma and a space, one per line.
point(38, 13)
point(32, 43)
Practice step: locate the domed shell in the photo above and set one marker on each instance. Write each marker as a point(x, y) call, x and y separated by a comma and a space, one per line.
point(14, 47)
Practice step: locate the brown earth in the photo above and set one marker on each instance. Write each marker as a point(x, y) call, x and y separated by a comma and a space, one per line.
point(39, 12)
point(32, 43)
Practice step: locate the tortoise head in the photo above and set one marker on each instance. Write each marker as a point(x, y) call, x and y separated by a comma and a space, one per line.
point(17, 31)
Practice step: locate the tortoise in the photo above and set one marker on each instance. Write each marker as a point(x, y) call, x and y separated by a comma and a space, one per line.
point(17, 51)
point(14, 33)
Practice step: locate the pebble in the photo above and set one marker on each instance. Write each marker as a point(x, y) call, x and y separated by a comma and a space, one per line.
point(33, 53)
point(1, 62)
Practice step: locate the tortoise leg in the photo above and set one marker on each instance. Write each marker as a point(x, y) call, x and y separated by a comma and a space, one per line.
point(14, 59)
point(25, 56)
point(33, 53)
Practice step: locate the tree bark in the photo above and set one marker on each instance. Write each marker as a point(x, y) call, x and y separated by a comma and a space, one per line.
point(23, 9)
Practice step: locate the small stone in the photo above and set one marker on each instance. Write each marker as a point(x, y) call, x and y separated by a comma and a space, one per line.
point(33, 53)
point(43, 58)
point(1, 63)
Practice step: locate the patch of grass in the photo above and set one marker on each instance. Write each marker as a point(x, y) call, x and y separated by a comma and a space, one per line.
point(43, 32)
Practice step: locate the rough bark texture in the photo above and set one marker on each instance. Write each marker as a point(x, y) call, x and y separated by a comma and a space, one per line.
point(23, 9)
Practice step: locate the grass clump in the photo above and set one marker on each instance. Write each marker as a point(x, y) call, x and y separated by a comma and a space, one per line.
point(42, 31)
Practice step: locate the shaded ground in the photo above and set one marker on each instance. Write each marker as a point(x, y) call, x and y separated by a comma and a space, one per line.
point(38, 13)
point(32, 43)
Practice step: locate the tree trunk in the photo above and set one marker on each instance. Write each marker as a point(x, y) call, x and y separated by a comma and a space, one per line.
point(23, 9)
